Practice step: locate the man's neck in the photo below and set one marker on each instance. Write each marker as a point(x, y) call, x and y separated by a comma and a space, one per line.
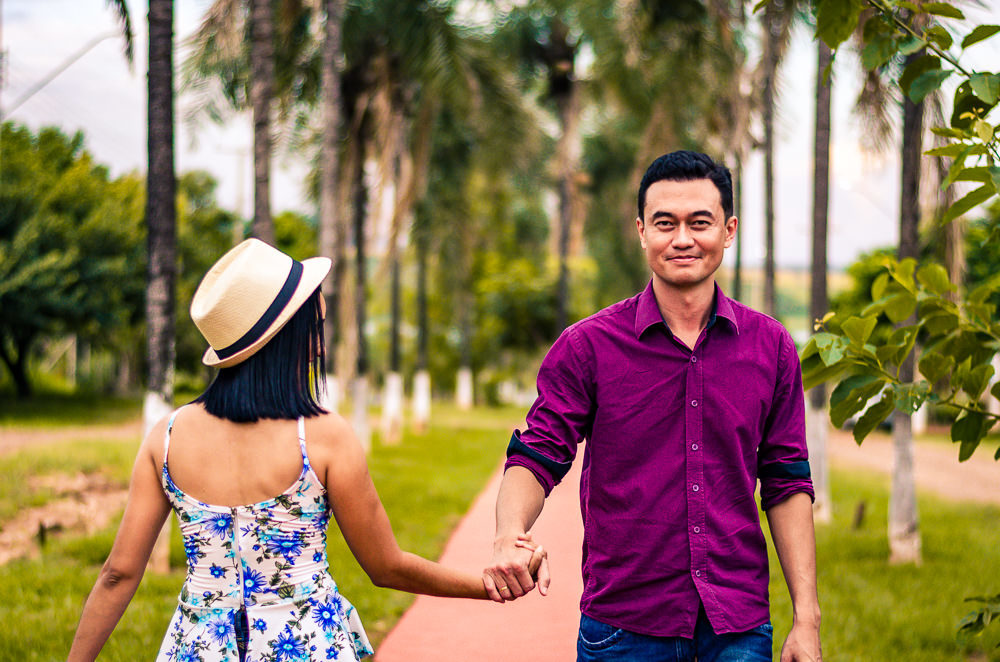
point(685, 310)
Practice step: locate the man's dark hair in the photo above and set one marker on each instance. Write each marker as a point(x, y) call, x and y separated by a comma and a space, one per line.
point(282, 380)
point(682, 166)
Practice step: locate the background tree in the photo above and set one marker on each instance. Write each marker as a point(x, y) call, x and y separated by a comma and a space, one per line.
point(70, 242)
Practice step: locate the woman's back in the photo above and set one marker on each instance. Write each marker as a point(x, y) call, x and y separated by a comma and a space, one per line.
point(233, 464)
point(256, 548)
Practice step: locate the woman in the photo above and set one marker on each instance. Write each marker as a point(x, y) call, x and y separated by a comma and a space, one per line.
point(254, 467)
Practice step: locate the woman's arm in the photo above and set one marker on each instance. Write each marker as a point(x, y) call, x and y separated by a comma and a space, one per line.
point(145, 513)
point(366, 528)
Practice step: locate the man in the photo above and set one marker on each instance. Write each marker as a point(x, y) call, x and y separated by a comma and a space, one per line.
point(685, 399)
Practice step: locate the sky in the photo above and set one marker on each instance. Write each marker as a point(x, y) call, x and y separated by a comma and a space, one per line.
point(105, 98)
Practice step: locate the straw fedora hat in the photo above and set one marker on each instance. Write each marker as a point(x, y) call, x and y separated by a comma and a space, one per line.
point(248, 295)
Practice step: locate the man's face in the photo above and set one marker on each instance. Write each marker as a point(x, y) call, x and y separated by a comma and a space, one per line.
point(685, 231)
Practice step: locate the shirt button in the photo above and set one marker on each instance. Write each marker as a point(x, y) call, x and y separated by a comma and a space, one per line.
point(694, 447)
point(697, 573)
point(694, 359)
point(697, 529)
point(694, 403)
point(694, 487)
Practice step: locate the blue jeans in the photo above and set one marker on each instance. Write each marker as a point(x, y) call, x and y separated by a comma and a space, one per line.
point(599, 642)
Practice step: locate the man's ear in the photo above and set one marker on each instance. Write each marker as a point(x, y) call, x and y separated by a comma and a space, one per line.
point(640, 226)
point(732, 223)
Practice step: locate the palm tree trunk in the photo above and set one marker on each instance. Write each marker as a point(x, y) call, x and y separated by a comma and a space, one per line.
point(160, 232)
point(392, 406)
point(360, 391)
point(261, 94)
point(422, 379)
point(818, 426)
point(768, 102)
point(566, 154)
point(738, 210)
point(904, 522)
point(331, 233)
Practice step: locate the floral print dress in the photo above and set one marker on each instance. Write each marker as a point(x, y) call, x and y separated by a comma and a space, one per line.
point(259, 571)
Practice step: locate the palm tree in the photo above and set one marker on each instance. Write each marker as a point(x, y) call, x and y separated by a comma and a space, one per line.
point(161, 233)
point(777, 23)
point(331, 228)
point(818, 304)
point(904, 522)
point(261, 96)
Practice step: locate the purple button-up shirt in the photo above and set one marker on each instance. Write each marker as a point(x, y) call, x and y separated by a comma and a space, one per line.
point(676, 441)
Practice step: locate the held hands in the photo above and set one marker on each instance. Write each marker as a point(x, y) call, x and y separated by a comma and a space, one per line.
point(516, 566)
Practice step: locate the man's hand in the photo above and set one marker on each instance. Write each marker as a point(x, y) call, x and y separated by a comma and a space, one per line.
point(802, 644)
point(516, 565)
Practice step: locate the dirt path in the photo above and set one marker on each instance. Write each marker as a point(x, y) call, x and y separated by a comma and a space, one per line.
point(85, 503)
point(936, 466)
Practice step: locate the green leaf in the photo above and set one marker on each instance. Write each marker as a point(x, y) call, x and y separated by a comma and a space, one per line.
point(935, 278)
point(995, 391)
point(815, 377)
point(859, 329)
point(942, 9)
point(831, 347)
point(909, 397)
point(976, 174)
point(939, 323)
point(836, 20)
point(969, 201)
point(900, 306)
point(879, 285)
point(877, 52)
point(926, 83)
point(977, 380)
point(851, 395)
point(980, 33)
point(984, 130)
point(873, 416)
point(916, 68)
point(934, 365)
point(967, 106)
point(986, 87)
point(952, 150)
point(969, 430)
point(939, 36)
point(995, 176)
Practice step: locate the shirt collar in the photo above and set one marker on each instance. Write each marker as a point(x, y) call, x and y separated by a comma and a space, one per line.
point(648, 314)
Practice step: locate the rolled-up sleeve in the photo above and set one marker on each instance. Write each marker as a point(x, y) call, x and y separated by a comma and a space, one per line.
point(783, 455)
point(562, 413)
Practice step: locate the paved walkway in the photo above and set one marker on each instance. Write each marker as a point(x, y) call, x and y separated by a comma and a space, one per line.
point(531, 629)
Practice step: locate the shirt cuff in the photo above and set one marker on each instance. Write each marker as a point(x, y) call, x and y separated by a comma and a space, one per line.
point(775, 490)
point(547, 472)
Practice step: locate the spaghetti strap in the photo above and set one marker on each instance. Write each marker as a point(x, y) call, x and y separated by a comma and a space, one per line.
point(166, 436)
point(302, 441)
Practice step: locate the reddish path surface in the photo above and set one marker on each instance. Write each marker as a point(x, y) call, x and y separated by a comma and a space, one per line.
point(530, 629)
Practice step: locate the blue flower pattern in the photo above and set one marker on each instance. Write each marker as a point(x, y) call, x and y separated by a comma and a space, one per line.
point(269, 558)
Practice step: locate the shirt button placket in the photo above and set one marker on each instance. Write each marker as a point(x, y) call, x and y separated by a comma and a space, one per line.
point(695, 469)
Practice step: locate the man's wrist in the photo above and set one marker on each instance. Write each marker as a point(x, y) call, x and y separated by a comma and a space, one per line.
point(807, 617)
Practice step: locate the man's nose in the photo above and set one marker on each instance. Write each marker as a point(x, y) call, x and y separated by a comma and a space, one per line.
point(683, 236)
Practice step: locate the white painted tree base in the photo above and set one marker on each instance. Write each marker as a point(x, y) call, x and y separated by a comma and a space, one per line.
point(359, 417)
point(421, 401)
point(392, 409)
point(463, 388)
point(817, 431)
point(154, 409)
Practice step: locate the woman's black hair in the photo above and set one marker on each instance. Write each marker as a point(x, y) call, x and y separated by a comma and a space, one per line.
point(282, 380)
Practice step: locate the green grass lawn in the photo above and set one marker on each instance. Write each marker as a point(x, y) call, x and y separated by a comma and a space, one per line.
point(54, 410)
point(871, 611)
point(874, 611)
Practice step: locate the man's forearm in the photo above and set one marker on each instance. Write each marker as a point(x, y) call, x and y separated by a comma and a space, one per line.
point(519, 503)
point(794, 537)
